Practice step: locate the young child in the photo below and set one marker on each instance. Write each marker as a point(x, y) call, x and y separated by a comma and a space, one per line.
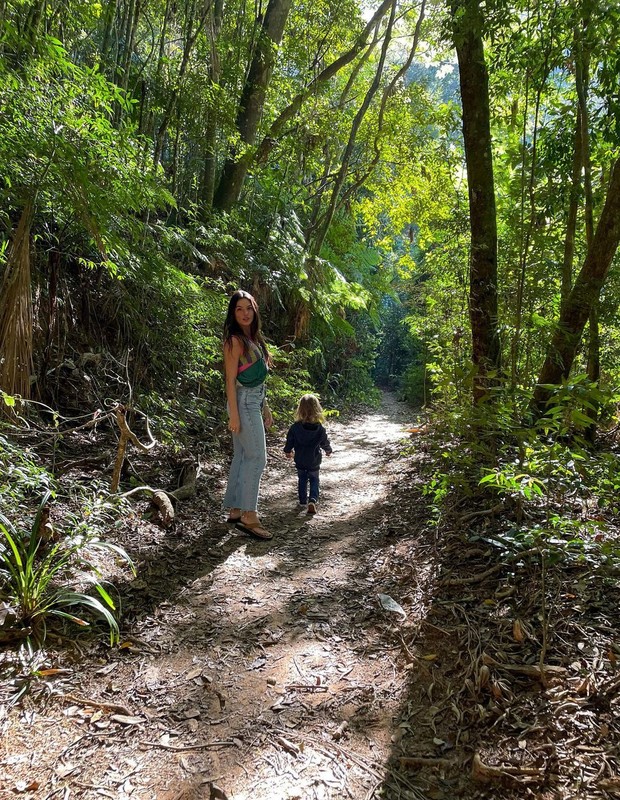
point(307, 437)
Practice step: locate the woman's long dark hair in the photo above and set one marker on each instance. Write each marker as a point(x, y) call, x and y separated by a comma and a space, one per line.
point(232, 327)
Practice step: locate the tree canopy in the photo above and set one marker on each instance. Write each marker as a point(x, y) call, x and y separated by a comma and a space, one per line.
point(457, 162)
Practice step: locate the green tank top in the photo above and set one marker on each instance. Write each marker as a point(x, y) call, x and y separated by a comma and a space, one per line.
point(252, 369)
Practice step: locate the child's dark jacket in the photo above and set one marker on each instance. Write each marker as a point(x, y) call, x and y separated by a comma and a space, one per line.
point(307, 439)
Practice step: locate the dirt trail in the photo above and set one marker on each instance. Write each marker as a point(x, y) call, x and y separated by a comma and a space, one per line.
point(249, 669)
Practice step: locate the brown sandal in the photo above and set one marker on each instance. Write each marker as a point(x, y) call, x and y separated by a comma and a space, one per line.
point(255, 529)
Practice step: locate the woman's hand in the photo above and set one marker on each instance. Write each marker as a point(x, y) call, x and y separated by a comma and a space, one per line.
point(267, 417)
point(234, 423)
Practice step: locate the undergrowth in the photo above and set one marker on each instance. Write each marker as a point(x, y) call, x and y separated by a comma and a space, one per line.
point(544, 480)
point(47, 568)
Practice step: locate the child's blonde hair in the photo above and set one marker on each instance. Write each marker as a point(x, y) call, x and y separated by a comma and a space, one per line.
point(309, 409)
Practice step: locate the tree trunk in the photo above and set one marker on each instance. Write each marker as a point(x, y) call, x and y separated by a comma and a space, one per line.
point(252, 103)
point(571, 223)
point(16, 312)
point(54, 257)
point(594, 346)
point(207, 190)
point(582, 79)
point(124, 56)
point(318, 240)
point(387, 93)
point(162, 43)
point(173, 98)
point(467, 23)
point(109, 17)
point(332, 69)
point(328, 157)
point(584, 294)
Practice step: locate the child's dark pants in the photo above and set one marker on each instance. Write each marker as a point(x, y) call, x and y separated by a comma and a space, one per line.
point(308, 476)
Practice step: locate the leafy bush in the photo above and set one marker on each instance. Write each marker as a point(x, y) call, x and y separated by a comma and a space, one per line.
point(412, 385)
point(576, 405)
point(20, 476)
point(37, 577)
point(562, 487)
point(39, 571)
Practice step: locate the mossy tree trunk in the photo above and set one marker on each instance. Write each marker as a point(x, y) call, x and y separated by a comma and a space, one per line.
point(467, 26)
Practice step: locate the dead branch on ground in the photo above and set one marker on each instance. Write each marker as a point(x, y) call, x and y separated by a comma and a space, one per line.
point(126, 436)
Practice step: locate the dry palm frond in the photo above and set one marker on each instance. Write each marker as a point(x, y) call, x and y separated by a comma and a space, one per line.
point(16, 312)
point(302, 319)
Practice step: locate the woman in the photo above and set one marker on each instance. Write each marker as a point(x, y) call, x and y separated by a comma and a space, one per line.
point(246, 363)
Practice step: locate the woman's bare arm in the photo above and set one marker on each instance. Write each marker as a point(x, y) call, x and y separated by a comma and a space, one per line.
point(232, 352)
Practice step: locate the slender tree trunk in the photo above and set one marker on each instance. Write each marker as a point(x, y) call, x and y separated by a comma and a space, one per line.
point(584, 294)
point(3, 12)
point(582, 82)
point(571, 222)
point(162, 42)
point(526, 229)
point(50, 323)
point(332, 69)
point(131, 43)
point(16, 312)
point(129, 27)
point(357, 69)
point(174, 174)
point(317, 242)
point(173, 98)
point(124, 56)
point(467, 22)
point(387, 92)
point(110, 16)
point(142, 106)
point(207, 191)
point(317, 200)
point(594, 346)
point(252, 103)
point(33, 19)
point(328, 156)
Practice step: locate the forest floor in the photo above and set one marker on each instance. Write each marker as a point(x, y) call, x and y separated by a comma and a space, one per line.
point(365, 652)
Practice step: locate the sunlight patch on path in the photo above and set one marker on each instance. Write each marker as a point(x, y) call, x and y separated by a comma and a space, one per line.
point(353, 477)
point(300, 621)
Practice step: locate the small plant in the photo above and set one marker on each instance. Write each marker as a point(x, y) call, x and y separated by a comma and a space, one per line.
point(513, 483)
point(575, 406)
point(20, 476)
point(34, 578)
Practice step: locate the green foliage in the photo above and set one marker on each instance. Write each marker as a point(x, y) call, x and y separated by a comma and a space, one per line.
point(343, 373)
point(21, 477)
point(512, 483)
point(576, 405)
point(35, 578)
point(546, 472)
point(42, 573)
point(288, 381)
point(59, 144)
point(176, 326)
point(83, 116)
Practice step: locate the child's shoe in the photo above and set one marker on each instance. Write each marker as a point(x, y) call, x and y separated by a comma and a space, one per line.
point(312, 507)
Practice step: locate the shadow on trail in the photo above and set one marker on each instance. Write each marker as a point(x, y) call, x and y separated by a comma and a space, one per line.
point(200, 541)
point(291, 633)
point(275, 669)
